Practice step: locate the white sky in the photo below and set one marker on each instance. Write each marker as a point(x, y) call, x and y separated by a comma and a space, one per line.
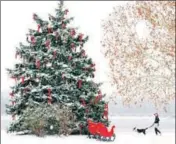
point(17, 18)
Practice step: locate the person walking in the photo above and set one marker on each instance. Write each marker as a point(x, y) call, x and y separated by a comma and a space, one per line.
point(156, 124)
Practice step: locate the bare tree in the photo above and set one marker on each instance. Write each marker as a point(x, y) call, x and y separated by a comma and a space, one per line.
point(142, 69)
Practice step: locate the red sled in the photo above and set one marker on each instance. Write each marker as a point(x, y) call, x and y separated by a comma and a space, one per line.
point(100, 131)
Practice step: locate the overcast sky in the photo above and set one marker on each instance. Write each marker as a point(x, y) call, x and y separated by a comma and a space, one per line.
point(16, 18)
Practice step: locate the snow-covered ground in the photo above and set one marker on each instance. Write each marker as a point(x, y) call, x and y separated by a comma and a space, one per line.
point(124, 133)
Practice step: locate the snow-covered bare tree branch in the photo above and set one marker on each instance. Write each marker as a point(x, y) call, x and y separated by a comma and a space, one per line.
point(139, 44)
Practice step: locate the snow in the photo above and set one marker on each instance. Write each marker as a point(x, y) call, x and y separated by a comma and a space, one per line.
point(121, 138)
point(124, 133)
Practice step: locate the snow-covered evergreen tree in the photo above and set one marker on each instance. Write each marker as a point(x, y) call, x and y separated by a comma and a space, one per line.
point(54, 69)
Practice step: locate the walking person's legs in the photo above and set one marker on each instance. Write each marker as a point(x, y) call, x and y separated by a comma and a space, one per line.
point(157, 130)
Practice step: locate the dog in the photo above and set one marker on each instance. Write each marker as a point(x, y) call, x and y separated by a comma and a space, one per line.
point(140, 130)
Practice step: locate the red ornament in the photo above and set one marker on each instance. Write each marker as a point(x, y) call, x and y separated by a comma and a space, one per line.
point(83, 102)
point(38, 64)
point(57, 35)
point(92, 65)
point(106, 111)
point(79, 83)
point(50, 30)
point(63, 76)
point(99, 92)
point(22, 79)
point(11, 94)
point(72, 32)
point(97, 99)
point(47, 44)
point(54, 54)
point(80, 37)
point(49, 96)
point(66, 11)
point(34, 16)
point(73, 46)
point(69, 58)
point(13, 103)
point(33, 40)
point(38, 28)
point(63, 26)
point(83, 53)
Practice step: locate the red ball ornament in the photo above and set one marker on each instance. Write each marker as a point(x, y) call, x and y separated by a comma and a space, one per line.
point(13, 102)
point(105, 114)
point(66, 11)
point(72, 32)
point(72, 45)
point(83, 53)
point(79, 83)
point(92, 65)
point(99, 92)
point(33, 40)
point(63, 26)
point(57, 35)
point(47, 44)
point(69, 58)
point(49, 96)
point(34, 16)
point(80, 37)
point(37, 64)
point(22, 80)
point(50, 30)
point(38, 28)
point(12, 94)
point(96, 100)
point(83, 102)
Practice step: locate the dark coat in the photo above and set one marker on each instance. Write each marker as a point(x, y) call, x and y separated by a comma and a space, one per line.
point(157, 120)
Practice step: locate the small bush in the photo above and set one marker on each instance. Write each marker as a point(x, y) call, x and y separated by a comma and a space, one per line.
point(47, 119)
